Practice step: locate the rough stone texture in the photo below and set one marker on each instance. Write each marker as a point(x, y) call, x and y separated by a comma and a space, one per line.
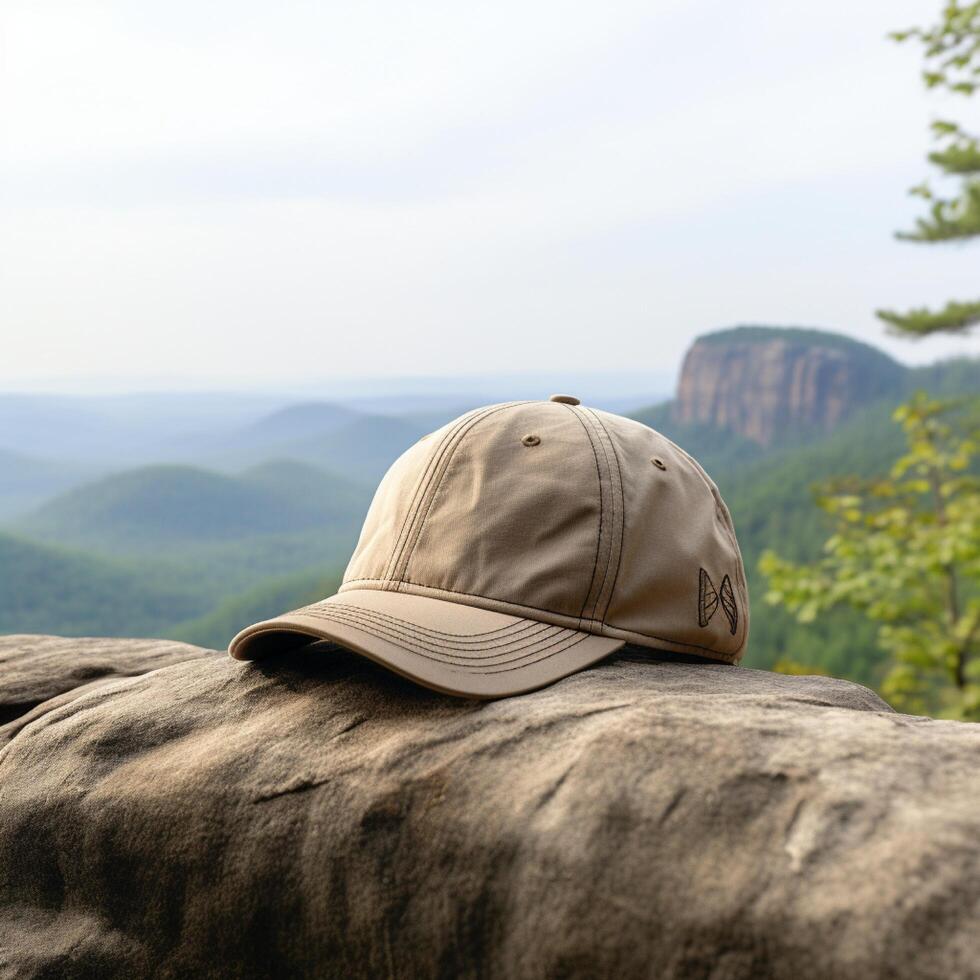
point(757, 389)
point(317, 816)
point(37, 669)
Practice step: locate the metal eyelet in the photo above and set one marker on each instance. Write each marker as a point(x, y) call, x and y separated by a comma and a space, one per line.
point(531, 440)
point(659, 463)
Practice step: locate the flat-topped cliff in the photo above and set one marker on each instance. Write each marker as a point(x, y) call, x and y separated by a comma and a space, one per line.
point(760, 382)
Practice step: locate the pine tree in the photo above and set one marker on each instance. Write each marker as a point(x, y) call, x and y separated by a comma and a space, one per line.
point(952, 56)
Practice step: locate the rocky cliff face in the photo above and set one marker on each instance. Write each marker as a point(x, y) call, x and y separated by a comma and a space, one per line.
point(758, 383)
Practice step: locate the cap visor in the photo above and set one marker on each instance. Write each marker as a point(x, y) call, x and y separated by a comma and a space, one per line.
point(446, 646)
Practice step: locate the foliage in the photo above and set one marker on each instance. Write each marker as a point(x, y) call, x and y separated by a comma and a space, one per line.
point(786, 666)
point(156, 509)
point(771, 501)
point(952, 56)
point(952, 48)
point(906, 553)
point(954, 317)
point(50, 589)
point(216, 629)
point(949, 219)
point(46, 590)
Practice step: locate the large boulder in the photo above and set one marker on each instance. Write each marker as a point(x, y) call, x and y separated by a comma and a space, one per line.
point(315, 815)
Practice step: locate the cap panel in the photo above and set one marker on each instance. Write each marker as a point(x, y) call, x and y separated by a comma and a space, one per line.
point(680, 578)
point(611, 533)
point(391, 508)
point(513, 519)
point(396, 569)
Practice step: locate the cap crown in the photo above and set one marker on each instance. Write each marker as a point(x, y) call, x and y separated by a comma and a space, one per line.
point(563, 514)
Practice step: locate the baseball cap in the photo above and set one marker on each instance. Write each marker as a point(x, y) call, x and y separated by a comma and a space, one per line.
point(523, 542)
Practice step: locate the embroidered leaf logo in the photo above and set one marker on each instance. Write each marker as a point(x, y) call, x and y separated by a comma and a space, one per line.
point(728, 603)
point(709, 599)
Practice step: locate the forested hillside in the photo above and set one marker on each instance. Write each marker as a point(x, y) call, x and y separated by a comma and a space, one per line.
point(52, 590)
point(161, 508)
point(270, 599)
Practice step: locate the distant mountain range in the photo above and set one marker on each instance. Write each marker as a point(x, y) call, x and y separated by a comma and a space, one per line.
point(363, 447)
point(212, 515)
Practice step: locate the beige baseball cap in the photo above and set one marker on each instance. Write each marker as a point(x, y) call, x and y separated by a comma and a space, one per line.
point(523, 542)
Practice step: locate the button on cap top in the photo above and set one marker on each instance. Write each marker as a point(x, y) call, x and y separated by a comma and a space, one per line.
point(565, 399)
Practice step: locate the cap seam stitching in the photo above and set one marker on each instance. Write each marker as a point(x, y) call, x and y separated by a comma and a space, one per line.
point(415, 494)
point(622, 517)
point(449, 652)
point(432, 480)
point(520, 621)
point(432, 489)
point(435, 637)
point(534, 663)
point(605, 572)
point(421, 488)
point(554, 653)
point(392, 631)
point(380, 633)
point(598, 544)
point(396, 624)
point(552, 612)
point(409, 548)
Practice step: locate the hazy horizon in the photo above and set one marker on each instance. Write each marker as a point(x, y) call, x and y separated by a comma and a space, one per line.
point(349, 388)
point(651, 385)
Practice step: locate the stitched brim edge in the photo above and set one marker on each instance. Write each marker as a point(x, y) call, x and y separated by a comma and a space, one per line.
point(446, 646)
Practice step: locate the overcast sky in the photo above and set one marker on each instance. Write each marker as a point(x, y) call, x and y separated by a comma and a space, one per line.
point(216, 192)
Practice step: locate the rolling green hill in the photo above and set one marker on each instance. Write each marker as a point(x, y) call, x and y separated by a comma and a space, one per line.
point(364, 449)
point(361, 447)
point(279, 595)
point(309, 489)
point(164, 508)
point(74, 593)
point(52, 590)
point(166, 544)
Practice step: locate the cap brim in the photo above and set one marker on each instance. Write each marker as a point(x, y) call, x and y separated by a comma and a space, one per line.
point(446, 646)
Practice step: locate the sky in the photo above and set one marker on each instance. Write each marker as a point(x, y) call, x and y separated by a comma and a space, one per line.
point(216, 193)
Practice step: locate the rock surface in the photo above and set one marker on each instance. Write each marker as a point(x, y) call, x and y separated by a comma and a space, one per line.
point(315, 815)
point(758, 384)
